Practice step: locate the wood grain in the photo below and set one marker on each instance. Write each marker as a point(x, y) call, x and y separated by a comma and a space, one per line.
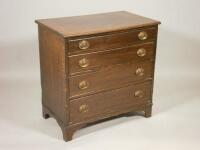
point(110, 53)
point(103, 59)
point(110, 41)
point(53, 73)
point(96, 23)
point(109, 78)
point(109, 102)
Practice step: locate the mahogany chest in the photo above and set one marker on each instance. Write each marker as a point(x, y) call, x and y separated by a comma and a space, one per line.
point(95, 67)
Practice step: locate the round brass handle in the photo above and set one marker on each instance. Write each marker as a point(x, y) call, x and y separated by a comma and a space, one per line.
point(139, 71)
point(139, 93)
point(141, 52)
point(84, 44)
point(143, 35)
point(83, 85)
point(83, 63)
point(84, 108)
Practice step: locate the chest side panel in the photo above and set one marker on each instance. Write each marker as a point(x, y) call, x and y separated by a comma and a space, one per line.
point(53, 73)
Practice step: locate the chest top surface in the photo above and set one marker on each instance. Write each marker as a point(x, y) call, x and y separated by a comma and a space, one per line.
point(97, 23)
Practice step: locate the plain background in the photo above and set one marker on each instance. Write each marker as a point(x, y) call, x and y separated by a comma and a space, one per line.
point(176, 120)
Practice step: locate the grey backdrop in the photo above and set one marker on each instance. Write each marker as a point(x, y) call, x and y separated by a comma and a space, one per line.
point(175, 123)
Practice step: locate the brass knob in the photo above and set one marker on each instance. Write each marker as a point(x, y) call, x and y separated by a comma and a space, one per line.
point(139, 93)
point(84, 108)
point(141, 52)
point(84, 44)
point(139, 71)
point(83, 85)
point(83, 62)
point(143, 35)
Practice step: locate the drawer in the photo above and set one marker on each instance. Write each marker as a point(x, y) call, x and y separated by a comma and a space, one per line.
point(109, 103)
point(109, 78)
point(110, 41)
point(97, 61)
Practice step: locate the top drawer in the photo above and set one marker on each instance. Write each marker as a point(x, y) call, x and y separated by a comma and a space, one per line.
point(95, 43)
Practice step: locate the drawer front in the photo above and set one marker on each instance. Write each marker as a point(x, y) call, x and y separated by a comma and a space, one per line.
point(97, 61)
point(111, 41)
point(109, 103)
point(109, 78)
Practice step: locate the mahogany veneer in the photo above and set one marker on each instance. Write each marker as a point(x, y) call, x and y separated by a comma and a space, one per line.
point(95, 67)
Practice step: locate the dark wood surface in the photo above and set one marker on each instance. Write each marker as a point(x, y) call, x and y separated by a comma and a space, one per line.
point(109, 102)
point(111, 60)
point(98, 61)
point(110, 41)
point(53, 73)
point(109, 78)
point(97, 23)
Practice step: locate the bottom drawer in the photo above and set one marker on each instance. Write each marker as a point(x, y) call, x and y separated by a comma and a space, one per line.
point(108, 103)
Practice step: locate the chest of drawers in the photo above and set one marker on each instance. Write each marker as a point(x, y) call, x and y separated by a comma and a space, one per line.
point(95, 67)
